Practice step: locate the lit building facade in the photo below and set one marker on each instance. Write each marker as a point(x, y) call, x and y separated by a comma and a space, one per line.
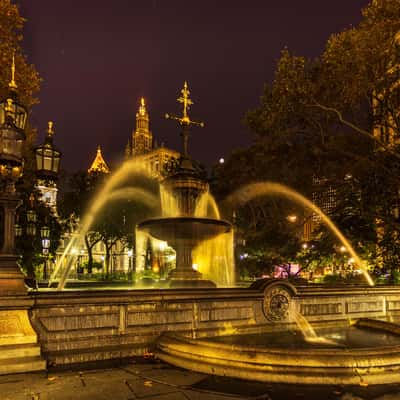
point(141, 145)
point(99, 165)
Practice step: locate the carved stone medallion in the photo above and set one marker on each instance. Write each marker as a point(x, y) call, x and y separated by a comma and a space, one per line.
point(276, 303)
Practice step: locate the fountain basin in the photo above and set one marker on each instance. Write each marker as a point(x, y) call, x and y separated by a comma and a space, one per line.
point(375, 359)
point(174, 229)
point(184, 234)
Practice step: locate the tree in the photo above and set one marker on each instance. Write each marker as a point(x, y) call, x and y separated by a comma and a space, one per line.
point(325, 119)
point(27, 78)
point(28, 82)
point(29, 243)
point(117, 220)
point(73, 204)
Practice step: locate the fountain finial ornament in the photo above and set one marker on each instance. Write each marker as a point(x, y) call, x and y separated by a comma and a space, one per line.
point(185, 120)
point(50, 128)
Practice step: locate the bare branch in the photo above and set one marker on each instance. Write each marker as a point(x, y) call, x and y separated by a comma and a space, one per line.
point(356, 128)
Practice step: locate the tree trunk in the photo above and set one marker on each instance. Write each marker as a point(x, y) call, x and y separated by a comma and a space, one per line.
point(30, 269)
point(107, 261)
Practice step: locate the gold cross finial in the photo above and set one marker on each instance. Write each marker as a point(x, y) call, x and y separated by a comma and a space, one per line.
point(186, 101)
point(12, 84)
point(50, 128)
point(185, 120)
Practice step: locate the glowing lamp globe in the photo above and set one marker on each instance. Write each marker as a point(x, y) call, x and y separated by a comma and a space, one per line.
point(47, 156)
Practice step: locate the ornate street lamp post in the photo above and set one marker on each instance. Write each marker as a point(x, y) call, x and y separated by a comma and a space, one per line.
point(45, 235)
point(47, 168)
point(12, 136)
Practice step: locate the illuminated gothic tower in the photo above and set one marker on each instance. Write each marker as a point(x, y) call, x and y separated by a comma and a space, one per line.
point(142, 139)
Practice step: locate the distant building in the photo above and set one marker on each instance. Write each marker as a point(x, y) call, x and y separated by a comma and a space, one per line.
point(324, 196)
point(142, 146)
point(98, 164)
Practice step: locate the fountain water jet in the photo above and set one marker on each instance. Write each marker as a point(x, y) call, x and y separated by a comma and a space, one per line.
point(251, 191)
point(127, 193)
point(190, 217)
point(104, 195)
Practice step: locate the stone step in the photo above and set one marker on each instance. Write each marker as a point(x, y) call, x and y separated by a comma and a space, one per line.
point(19, 350)
point(21, 364)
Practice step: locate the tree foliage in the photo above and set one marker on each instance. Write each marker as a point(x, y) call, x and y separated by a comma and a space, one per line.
point(116, 221)
point(326, 119)
point(27, 78)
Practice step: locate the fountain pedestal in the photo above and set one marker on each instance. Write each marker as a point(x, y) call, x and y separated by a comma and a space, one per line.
point(185, 231)
point(184, 275)
point(184, 234)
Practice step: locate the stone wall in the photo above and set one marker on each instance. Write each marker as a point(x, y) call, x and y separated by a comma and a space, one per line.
point(75, 327)
point(88, 326)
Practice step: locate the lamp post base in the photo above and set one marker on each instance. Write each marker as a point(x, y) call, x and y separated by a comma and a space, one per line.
point(12, 280)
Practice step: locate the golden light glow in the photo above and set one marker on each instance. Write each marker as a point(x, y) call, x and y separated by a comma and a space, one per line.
point(187, 102)
point(98, 164)
point(142, 108)
point(16, 171)
point(50, 128)
point(255, 190)
point(9, 105)
point(215, 260)
point(13, 84)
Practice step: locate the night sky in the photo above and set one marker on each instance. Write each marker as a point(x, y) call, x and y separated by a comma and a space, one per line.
point(97, 58)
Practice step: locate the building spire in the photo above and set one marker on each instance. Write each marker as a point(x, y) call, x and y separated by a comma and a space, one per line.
point(142, 107)
point(13, 84)
point(142, 138)
point(98, 164)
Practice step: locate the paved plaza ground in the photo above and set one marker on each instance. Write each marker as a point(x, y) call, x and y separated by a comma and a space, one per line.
point(150, 379)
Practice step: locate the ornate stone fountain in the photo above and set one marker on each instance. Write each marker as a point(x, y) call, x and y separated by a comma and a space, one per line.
point(185, 231)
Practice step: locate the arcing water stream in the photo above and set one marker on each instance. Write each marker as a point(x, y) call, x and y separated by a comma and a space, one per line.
point(251, 191)
point(213, 257)
point(105, 194)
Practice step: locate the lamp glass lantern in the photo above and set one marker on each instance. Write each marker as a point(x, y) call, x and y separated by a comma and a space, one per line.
point(12, 110)
point(31, 216)
point(44, 232)
point(31, 229)
point(12, 124)
point(47, 156)
point(18, 230)
point(11, 141)
point(47, 160)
